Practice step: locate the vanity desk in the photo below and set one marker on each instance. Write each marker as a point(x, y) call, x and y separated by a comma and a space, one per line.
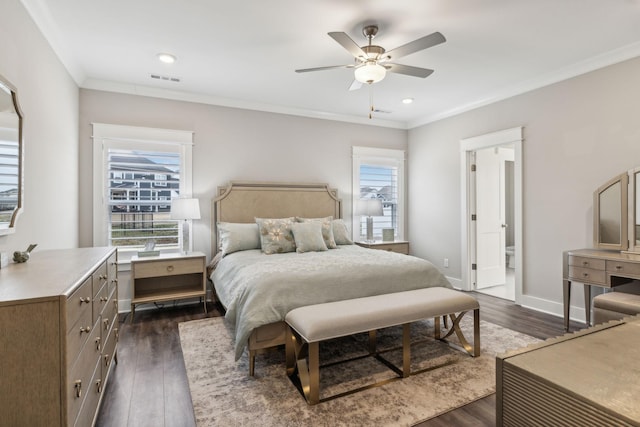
point(595, 267)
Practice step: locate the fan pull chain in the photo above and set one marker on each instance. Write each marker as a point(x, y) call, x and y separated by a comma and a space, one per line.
point(371, 109)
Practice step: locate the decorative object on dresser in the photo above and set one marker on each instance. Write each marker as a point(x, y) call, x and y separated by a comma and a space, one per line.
point(586, 378)
point(399, 246)
point(186, 210)
point(369, 208)
point(167, 277)
point(58, 334)
point(616, 237)
point(23, 256)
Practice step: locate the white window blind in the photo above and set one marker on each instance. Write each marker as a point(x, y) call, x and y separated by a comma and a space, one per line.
point(138, 204)
point(378, 173)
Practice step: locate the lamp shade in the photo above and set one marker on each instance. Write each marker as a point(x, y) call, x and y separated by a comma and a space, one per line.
point(369, 207)
point(185, 209)
point(370, 73)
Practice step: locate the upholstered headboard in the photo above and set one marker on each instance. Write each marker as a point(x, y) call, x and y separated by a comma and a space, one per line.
point(245, 201)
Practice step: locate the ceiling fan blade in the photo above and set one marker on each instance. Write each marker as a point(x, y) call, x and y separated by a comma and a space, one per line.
point(330, 67)
point(355, 85)
point(416, 45)
point(348, 43)
point(408, 70)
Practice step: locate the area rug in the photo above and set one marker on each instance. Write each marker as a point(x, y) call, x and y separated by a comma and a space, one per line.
point(223, 393)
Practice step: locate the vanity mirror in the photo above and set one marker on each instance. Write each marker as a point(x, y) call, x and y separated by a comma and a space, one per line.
point(616, 213)
point(10, 157)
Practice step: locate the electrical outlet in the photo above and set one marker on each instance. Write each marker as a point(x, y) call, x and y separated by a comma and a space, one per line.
point(446, 262)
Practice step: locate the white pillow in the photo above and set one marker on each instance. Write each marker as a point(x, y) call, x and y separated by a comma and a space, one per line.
point(327, 229)
point(236, 237)
point(308, 236)
point(340, 232)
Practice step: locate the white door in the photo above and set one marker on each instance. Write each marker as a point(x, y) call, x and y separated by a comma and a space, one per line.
point(490, 217)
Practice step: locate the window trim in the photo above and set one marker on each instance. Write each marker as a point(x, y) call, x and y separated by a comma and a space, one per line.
point(127, 137)
point(378, 157)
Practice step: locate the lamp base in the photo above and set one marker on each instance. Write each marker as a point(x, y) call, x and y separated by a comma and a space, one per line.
point(185, 237)
point(370, 230)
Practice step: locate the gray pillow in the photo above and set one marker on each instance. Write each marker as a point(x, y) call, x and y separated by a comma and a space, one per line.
point(275, 235)
point(236, 237)
point(308, 236)
point(340, 232)
point(327, 230)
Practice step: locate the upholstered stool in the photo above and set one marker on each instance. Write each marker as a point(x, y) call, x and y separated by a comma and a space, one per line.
point(614, 305)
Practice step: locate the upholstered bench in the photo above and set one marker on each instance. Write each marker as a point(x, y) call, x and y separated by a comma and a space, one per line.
point(614, 306)
point(308, 326)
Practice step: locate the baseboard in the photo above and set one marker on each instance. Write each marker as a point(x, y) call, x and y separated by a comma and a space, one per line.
point(456, 283)
point(552, 307)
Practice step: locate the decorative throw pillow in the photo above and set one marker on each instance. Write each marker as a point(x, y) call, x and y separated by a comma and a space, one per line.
point(340, 232)
point(327, 230)
point(236, 237)
point(275, 235)
point(308, 236)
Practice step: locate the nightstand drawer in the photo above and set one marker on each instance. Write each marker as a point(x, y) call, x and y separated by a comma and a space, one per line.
point(401, 248)
point(168, 267)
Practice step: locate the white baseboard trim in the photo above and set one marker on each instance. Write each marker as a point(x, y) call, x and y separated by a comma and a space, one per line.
point(553, 308)
point(456, 283)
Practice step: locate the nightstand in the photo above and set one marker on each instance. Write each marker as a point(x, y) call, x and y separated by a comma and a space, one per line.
point(169, 276)
point(399, 246)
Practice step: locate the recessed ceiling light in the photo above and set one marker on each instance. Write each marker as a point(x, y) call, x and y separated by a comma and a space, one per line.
point(407, 100)
point(167, 58)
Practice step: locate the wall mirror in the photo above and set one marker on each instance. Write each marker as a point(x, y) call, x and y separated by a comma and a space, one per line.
point(11, 148)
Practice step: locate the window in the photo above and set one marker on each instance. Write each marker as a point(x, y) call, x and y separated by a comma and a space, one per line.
point(137, 171)
point(379, 174)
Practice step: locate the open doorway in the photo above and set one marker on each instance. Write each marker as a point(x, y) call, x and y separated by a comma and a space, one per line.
point(492, 221)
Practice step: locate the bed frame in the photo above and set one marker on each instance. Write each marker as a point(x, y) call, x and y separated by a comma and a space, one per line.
point(244, 201)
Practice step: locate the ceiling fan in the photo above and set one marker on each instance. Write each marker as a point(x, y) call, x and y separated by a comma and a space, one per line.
point(372, 62)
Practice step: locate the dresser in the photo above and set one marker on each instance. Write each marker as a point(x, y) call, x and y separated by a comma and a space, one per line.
point(585, 378)
point(399, 246)
point(595, 267)
point(58, 335)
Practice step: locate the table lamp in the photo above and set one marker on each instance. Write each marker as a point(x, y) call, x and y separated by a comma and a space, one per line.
point(369, 208)
point(185, 209)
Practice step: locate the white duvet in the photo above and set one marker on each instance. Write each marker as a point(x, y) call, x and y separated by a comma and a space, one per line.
point(259, 289)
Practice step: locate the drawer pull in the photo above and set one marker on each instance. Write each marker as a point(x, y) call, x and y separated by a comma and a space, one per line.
point(86, 329)
point(107, 360)
point(106, 324)
point(98, 344)
point(585, 274)
point(104, 299)
point(585, 263)
point(99, 385)
point(78, 386)
point(170, 268)
point(114, 280)
point(619, 267)
point(83, 299)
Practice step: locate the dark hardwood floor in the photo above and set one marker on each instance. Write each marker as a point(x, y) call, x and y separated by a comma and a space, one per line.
point(148, 386)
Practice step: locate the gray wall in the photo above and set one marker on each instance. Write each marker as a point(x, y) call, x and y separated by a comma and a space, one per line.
point(577, 134)
point(233, 144)
point(49, 100)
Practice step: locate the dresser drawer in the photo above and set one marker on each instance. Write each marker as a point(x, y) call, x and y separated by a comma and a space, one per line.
point(79, 303)
point(168, 267)
point(80, 373)
point(109, 350)
point(78, 334)
point(622, 267)
point(112, 272)
point(589, 275)
point(109, 316)
point(93, 392)
point(585, 262)
point(99, 278)
point(100, 302)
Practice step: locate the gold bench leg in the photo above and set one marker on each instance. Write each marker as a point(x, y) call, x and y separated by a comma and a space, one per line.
point(406, 350)
point(455, 327)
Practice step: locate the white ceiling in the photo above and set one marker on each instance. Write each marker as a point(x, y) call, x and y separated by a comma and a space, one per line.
point(243, 53)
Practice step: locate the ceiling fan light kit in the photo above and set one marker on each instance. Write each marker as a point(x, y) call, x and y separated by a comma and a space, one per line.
point(370, 73)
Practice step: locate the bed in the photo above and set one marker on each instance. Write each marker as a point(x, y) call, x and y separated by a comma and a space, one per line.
point(257, 290)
